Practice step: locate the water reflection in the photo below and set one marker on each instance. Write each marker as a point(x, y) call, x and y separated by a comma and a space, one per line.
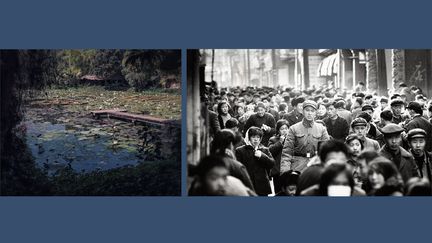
point(84, 148)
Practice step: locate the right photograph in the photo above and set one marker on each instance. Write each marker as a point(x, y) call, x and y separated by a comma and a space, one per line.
point(309, 122)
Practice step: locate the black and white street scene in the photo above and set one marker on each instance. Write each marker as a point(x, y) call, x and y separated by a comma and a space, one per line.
point(309, 122)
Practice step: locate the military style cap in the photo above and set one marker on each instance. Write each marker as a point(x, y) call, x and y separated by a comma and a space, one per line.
point(367, 107)
point(358, 122)
point(416, 133)
point(384, 100)
point(397, 102)
point(391, 128)
point(260, 104)
point(310, 103)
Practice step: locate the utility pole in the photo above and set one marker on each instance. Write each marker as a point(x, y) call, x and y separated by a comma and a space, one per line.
point(274, 68)
point(212, 64)
point(306, 81)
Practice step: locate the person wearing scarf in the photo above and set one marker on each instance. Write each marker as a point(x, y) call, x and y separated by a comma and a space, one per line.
point(257, 159)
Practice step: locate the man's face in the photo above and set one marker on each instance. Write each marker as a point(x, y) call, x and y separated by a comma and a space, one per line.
point(370, 112)
point(420, 101)
point(355, 147)
point(299, 107)
point(256, 99)
point(418, 145)
point(361, 130)
point(393, 140)
point(248, 98)
point(231, 98)
point(397, 110)
point(216, 181)
point(309, 113)
point(261, 111)
point(411, 112)
point(255, 140)
point(332, 111)
point(383, 105)
point(250, 108)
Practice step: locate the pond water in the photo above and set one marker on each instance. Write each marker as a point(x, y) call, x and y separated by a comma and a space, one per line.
point(86, 146)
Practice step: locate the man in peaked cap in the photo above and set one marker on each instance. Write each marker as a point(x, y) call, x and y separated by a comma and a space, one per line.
point(368, 109)
point(302, 139)
point(361, 127)
point(392, 150)
point(397, 106)
point(417, 142)
point(418, 121)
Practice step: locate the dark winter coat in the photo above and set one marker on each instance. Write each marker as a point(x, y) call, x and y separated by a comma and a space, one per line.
point(338, 130)
point(275, 146)
point(213, 123)
point(239, 171)
point(258, 168)
point(403, 160)
point(293, 117)
point(257, 121)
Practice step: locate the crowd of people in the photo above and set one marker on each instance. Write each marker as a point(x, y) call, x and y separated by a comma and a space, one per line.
point(316, 142)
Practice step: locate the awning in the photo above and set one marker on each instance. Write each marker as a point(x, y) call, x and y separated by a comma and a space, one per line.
point(329, 66)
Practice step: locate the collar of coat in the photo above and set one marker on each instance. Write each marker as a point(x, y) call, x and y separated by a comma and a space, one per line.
point(425, 154)
point(249, 146)
point(307, 123)
point(400, 151)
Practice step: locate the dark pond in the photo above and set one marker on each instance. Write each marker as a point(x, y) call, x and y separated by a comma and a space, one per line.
point(81, 142)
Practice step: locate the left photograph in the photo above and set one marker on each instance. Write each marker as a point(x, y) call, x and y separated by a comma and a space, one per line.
point(90, 122)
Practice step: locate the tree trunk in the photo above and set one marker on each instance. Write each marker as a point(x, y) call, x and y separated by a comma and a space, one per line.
point(382, 72)
point(398, 67)
point(371, 70)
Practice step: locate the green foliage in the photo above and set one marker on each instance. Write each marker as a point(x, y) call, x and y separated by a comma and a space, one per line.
point(142, 69)
point(37, 69)
point(106, 63)
point(72, 64)
point(149, 178)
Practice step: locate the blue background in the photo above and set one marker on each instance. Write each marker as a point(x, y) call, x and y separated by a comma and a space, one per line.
point(217, 24)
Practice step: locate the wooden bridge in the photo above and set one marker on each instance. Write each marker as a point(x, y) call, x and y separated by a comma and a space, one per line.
point(134, 118)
